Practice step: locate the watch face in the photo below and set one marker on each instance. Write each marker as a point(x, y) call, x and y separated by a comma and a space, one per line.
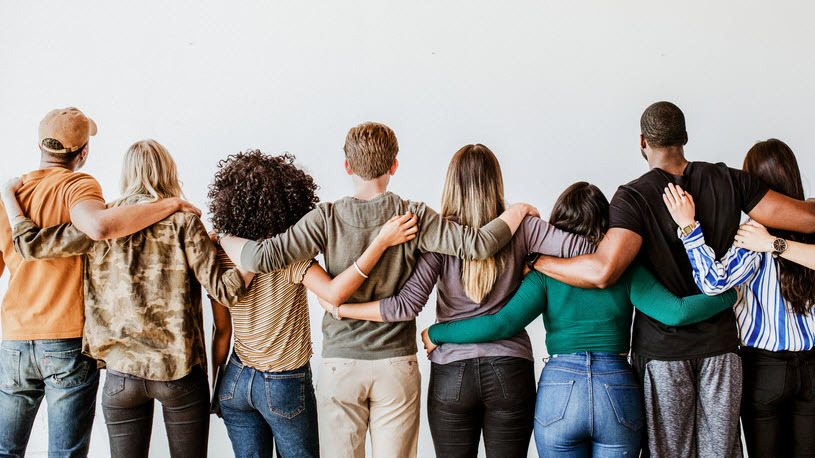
point(779, 245)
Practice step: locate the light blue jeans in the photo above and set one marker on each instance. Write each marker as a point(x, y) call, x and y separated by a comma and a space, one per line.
point(56, 369)
point(589, 405)
point(265, 408)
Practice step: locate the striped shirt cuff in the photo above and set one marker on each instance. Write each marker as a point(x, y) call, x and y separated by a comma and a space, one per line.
point(694, 240)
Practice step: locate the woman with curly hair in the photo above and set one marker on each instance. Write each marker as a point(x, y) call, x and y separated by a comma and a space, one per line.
point(267, 395)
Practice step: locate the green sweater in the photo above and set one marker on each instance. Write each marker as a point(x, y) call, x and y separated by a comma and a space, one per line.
point(578, 320)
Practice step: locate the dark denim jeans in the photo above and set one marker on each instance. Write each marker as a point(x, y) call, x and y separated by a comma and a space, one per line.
point(589, 405)
point(495, 395)
point(128, 402)
point(262, 408)
point(56, 369)
point(778, 402)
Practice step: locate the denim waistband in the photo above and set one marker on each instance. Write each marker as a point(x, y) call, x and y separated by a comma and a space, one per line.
point(235, 360)
point(588, 357)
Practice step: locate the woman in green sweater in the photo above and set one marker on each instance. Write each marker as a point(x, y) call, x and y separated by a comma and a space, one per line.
point(588, 401)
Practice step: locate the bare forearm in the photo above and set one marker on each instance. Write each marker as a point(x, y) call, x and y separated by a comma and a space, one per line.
point(583, 271)
point(346, 283)
point(800, 253)
point(100, 223)
point(368, 311)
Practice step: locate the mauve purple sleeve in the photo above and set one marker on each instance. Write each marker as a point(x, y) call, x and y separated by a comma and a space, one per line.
point(541, 237)
point(413, 296)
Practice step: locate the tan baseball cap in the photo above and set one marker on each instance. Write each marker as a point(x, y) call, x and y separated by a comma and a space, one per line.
point(69, 126)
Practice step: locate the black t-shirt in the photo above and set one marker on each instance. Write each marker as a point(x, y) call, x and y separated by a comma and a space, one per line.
point(720, 194)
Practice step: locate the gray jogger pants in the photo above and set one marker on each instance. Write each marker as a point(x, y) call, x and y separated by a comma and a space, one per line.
point(692, 406)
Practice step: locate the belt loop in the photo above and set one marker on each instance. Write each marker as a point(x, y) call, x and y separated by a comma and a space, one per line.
point(588, 359)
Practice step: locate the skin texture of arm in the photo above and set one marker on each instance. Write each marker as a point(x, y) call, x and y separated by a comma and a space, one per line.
point(398, 230)
point(781, 212)
point(712, 276)
point(100, 223)
point(221, 335)
point(441, 235)
point(600, 269)
point(526, 305)
point(754, 236)
point(411, 299)
point(650, 297)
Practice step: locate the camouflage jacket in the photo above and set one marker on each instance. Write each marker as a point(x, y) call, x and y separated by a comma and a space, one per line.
point(143, 313)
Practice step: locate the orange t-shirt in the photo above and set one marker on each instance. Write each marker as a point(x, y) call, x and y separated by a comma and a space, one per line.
point(45, 298)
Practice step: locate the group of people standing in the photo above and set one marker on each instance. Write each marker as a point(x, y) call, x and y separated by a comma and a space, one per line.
point(723, 326)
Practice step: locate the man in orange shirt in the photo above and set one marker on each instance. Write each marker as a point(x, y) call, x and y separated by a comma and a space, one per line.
point(43, 309)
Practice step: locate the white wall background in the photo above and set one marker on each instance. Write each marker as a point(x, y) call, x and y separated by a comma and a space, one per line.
point(555, 89)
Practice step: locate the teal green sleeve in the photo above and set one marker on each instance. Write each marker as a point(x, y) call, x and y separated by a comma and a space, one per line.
point(650, 297)
point(526, 305)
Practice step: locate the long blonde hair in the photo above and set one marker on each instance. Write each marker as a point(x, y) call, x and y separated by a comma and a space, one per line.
point(474, 193)
point(148, 171)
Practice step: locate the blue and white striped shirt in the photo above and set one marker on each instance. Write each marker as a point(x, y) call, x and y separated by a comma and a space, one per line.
point(763, 317)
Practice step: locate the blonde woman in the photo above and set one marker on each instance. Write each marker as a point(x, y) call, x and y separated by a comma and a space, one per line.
point(143, 316)
point(486, 387)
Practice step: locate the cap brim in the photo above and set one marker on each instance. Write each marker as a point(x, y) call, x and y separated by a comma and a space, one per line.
point(91, 127)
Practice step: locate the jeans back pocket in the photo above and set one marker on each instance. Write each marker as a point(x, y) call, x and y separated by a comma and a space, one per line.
point(764, 381)
point(445, 381)
point(627, 404)
point(553, 399)
point(68, 368)
point(286, 393)
point(10, 367)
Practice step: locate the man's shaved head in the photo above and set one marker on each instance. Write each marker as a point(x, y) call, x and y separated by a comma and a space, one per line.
point(663, 125)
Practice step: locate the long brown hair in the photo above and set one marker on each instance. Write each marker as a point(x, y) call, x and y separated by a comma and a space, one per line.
point(774, 163)
point(474, 193)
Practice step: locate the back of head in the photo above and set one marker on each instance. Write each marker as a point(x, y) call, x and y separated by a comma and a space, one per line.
point(582, 209)
point(774, 163)
point(474, 194)
point(148, 170)
point(63, 134)
point(663, 125)
point(255, 195)
point(370, 149)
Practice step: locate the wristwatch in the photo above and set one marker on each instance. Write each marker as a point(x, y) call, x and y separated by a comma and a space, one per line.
point(685, 231)
point(779, 246)
point(335, 312)
point(531, 259)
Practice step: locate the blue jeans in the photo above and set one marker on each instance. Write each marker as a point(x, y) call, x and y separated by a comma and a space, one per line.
point(56, 369)
point(589, 404)
point(265, 408)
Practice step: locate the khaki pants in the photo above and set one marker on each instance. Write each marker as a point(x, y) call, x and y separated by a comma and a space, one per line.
point(353, 394)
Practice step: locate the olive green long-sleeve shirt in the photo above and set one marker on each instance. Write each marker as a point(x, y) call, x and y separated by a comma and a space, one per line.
point(342, 231)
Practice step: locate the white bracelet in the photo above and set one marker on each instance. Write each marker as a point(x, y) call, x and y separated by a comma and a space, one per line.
point(359, 270)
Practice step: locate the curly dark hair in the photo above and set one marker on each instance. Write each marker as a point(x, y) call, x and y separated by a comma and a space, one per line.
point(255, 195)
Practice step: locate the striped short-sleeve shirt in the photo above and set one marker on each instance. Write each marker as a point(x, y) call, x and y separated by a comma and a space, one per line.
point(270, 324)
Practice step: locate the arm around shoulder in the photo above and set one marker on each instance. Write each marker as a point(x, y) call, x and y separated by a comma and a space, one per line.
point(600, 269)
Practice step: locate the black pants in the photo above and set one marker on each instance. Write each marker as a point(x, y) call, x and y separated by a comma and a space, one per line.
point(127, 403)
point(494, 394)
point(778, 407)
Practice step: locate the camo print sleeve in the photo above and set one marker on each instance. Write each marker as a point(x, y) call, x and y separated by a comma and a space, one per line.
point(224, 285)
point(60, 241)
